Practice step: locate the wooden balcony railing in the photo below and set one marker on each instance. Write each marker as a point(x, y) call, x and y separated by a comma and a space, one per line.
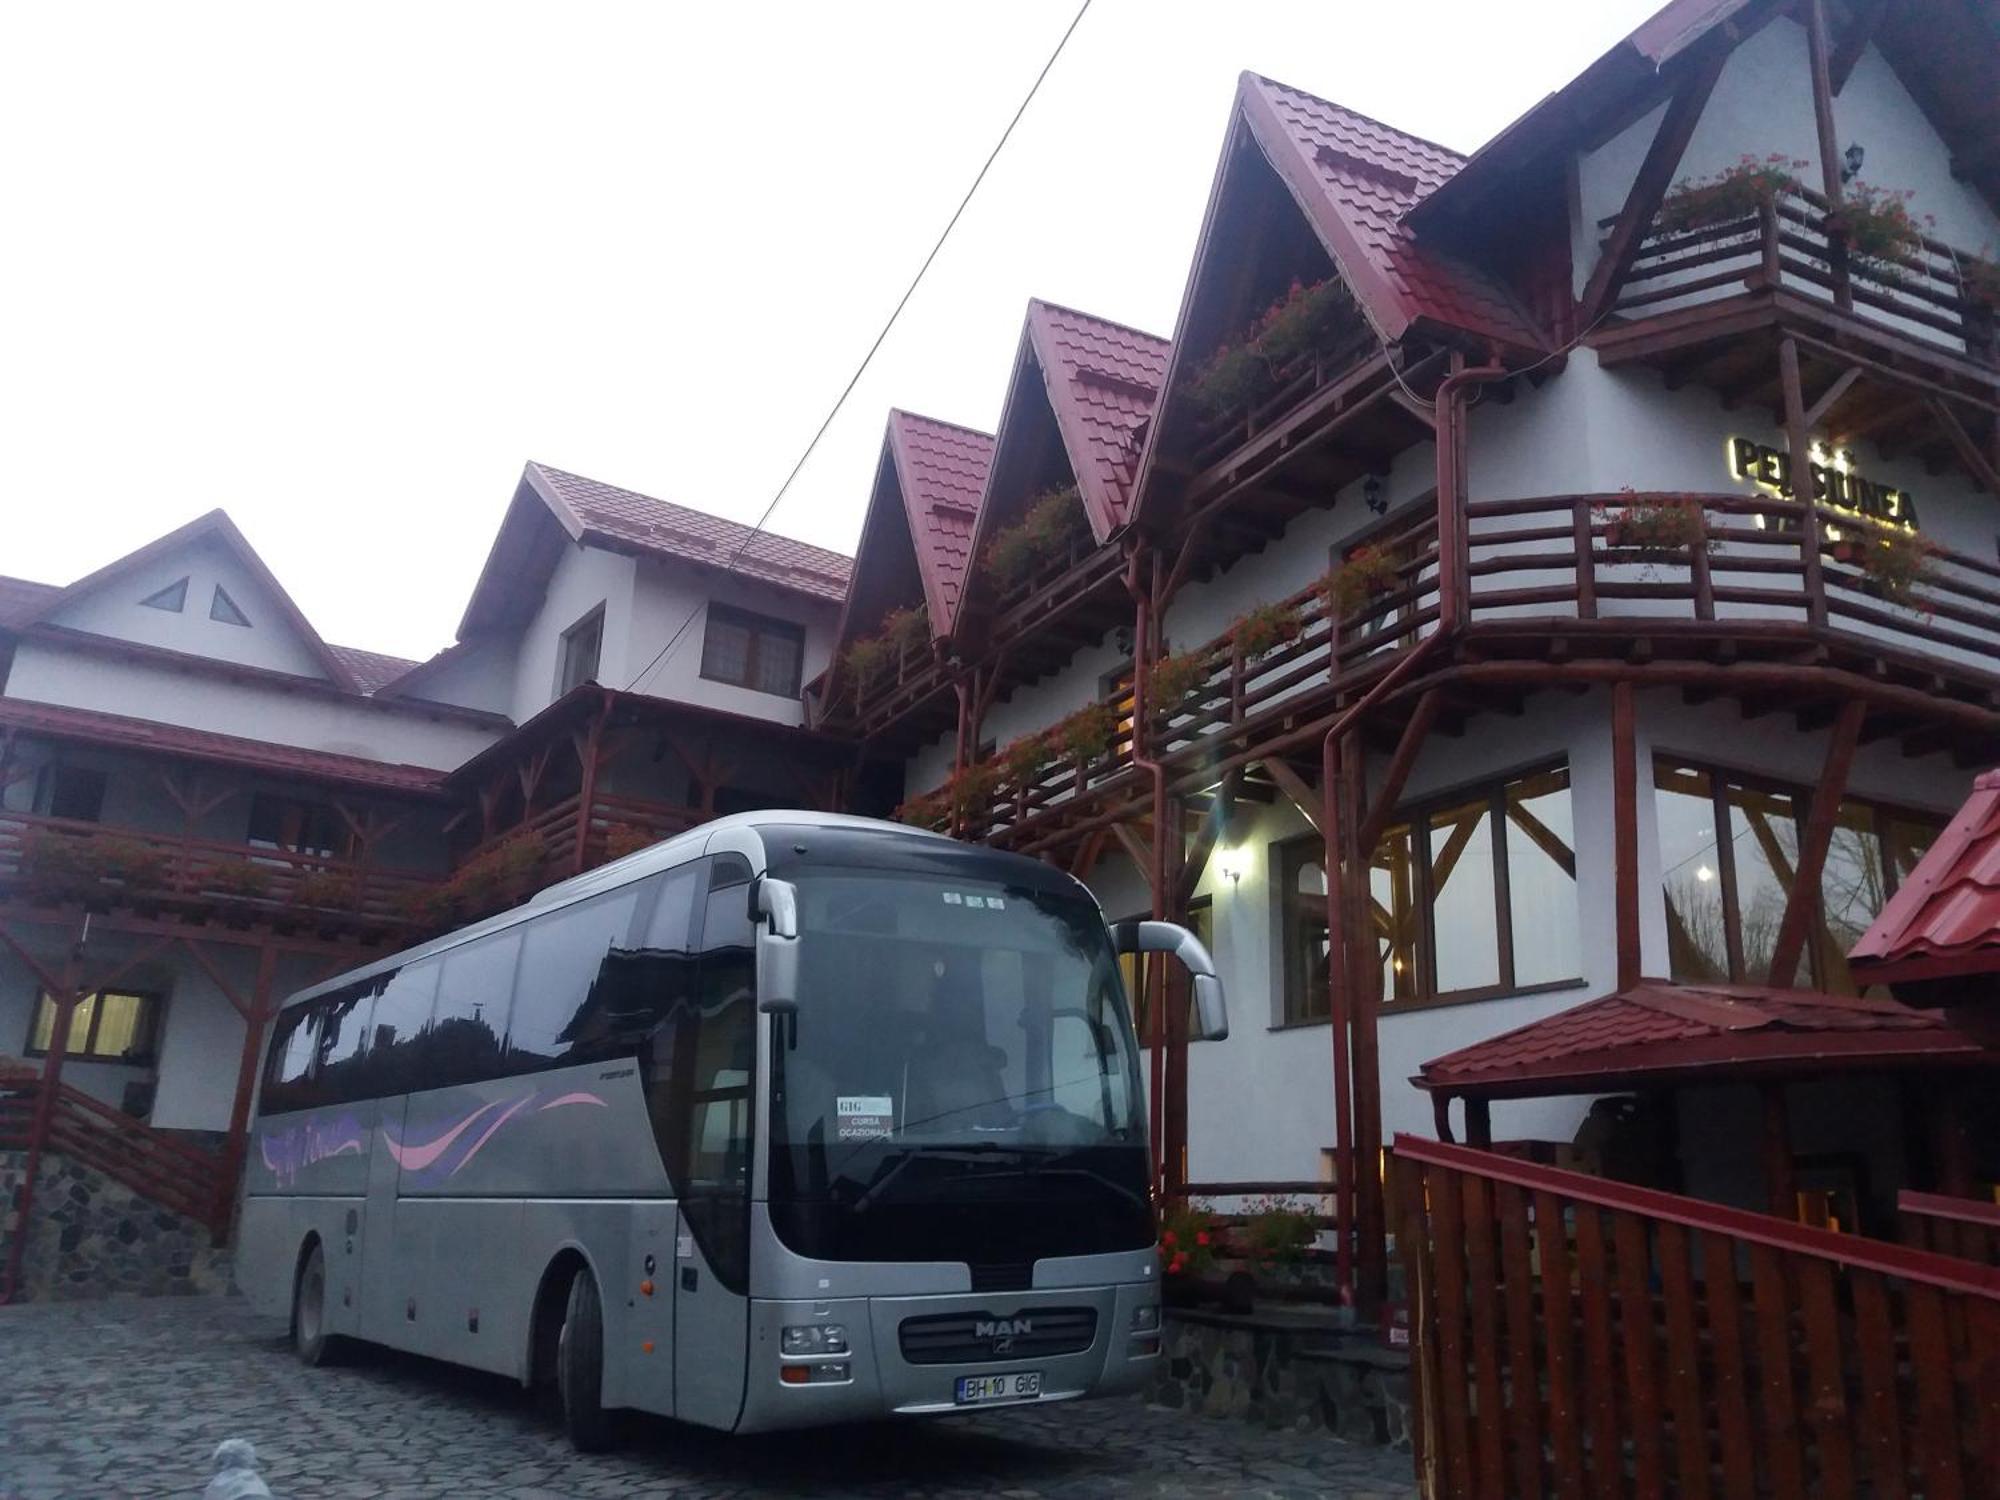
point(613, 820)
point(915, 676)
point(1964, 1227)
point(64, 860)
point(1550, 566)
point(1576, 1336)
point(1785, 242)
point(177, 1176)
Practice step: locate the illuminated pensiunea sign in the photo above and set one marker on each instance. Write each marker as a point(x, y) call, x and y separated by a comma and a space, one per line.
point(1835, 483)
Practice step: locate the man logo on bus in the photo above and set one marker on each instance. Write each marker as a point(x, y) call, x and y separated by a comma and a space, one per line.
point(1001, 1328)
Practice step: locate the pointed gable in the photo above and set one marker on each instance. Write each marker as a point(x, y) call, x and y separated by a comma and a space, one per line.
point(164, 595)
point(940, 474)
point(1102, 380)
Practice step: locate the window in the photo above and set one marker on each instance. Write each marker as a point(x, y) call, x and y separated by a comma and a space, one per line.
point(1201, 922)
point(289, 1061)
point(571, 963)
point(582, 644)
point(1726, 896)
point(470, 1016)
point(224, 609)
point(296, 825)
point(109, 1026)
point(341, 1044)
point(70, 792)
point(394, 1061)
point(172, 598)
point(1470, 895)
point(752, 651)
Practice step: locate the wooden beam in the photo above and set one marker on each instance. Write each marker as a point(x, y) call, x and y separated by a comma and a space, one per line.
point(1213, 826)
point(1854, 41)
point(1400, 763)
point(1138, 850)
point(1087, 854)
point(1822, 94)
point(1983, 471)
point(1649, 186)
point(1798, 440)
point(1802, 904)
point(1625, 832)
point(1301, 794)
point(1816, 413)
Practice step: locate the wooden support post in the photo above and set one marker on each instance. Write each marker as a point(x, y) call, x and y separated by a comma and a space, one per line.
point(1780, 1185)
point(1798, 439)
point(1625, 833)
point(1364, 979)
point(1339, 1007)
point(258, 1013)
point(588, 751)
point(1170, 845)
point(1479, 1123)
point(1802, 904)
point(1948, 1105)
point(1829, 143)
point(1400, 765)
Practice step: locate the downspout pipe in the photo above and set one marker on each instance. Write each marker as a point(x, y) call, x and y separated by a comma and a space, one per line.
point(1141, 587)
point(1453, 614)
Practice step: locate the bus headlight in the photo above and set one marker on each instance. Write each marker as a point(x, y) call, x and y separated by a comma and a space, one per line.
point(1146, 1317)
point(813, 1339)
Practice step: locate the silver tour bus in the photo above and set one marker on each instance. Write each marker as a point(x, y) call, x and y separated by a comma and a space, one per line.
point(792, 1119)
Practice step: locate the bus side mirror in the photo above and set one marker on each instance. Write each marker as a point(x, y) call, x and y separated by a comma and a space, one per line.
point(1211, 1007)
point(776, 903)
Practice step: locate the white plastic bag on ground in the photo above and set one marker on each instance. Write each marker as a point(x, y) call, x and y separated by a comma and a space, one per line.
point(236, 1476)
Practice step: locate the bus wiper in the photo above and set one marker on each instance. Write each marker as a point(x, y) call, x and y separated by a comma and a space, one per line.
point(957, 1151)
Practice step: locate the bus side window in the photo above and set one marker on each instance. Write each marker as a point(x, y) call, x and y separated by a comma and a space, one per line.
point(285, 1085)
point(391, 1064)
point(342, 1036)
point(726, 1052)
point(463, 1043)
point(658, 978)
point(560, 1015)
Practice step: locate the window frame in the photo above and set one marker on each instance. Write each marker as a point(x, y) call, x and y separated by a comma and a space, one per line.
point(1413, 818)
point(757, 626)
point(1882, 813)
point(591, 619)
point(153, 1004)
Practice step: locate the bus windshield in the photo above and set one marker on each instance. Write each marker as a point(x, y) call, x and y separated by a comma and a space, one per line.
point(960, 1081)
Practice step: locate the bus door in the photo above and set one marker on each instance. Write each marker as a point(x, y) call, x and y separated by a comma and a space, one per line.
point(710, 1082)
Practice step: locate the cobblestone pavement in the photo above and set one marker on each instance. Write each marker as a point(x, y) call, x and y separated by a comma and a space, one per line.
point(127, 1398)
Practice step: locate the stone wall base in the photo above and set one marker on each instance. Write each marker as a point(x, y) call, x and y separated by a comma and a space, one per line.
point(1281, 1370)
point(91, 1236)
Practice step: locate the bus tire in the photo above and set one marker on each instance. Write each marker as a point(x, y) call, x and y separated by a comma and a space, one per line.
point(310, 1340)
point(580, 1368)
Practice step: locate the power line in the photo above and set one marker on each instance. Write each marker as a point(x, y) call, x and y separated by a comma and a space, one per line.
point(869, 358)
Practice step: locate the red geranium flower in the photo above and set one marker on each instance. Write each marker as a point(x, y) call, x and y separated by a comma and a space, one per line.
point(1168, 1237)
point(1201, 1237)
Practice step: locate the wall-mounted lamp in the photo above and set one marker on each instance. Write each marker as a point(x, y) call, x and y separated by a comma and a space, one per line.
point(1371, 495)
point(1231, 863)
point(1851, 160)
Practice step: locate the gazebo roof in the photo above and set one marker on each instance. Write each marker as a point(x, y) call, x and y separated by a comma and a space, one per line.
point(1944, 920)
point(1657, 1032)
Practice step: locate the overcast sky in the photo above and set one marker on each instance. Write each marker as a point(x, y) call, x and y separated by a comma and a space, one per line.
point(342, 269)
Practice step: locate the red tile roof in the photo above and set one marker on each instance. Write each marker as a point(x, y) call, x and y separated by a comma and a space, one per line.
point(941, 473)
point(1103, 380)
point(1944, 920)
point(88, 726)
point(1660, 1031)
point(1356, 179)
point(22, 595)
point(372, 670)
point(624, 520)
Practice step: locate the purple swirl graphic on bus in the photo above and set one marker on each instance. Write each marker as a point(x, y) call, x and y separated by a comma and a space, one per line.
point(290, 1151)
point(448, 1153)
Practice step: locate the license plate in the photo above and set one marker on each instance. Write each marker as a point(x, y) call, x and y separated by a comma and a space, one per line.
point(978, 1390)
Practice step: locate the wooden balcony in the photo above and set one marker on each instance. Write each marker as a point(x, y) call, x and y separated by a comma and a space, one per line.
point(1552, 584)
point(616, 826)
point(64, 862)
point(1925, 295)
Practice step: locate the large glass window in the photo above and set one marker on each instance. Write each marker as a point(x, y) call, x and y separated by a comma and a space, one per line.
point(1470, 895)
point(470, 1016)
point(563, 956)
point(76, 792)
point(582, 645)
point(752, 651)
point(108, 1026)
point(393, 1062)
point(1726, 896)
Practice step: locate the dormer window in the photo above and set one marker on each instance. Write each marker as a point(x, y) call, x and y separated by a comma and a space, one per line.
point(582, 644)
point(172, 598)
point(225, 609)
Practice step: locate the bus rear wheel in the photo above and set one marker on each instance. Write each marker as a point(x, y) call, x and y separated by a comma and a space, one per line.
point(580, 1368)
point(310, 1340)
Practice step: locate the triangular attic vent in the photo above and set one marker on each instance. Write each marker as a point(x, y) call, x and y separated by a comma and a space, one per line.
point(225, 609)
point(172, 598)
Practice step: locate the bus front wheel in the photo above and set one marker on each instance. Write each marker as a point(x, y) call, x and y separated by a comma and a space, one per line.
point(580, 1368)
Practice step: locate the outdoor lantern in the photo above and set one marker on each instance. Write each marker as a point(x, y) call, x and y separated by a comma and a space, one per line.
point(1371, 495)
point(1231, 863)
point(1853, 157)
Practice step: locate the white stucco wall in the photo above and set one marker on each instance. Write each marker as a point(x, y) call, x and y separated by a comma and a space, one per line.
point(584, 578)
point(405, 733)
point(481, 677)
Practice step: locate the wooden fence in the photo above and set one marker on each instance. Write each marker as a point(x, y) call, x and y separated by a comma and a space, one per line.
point(1580, 1338)
point(1963, 1227)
